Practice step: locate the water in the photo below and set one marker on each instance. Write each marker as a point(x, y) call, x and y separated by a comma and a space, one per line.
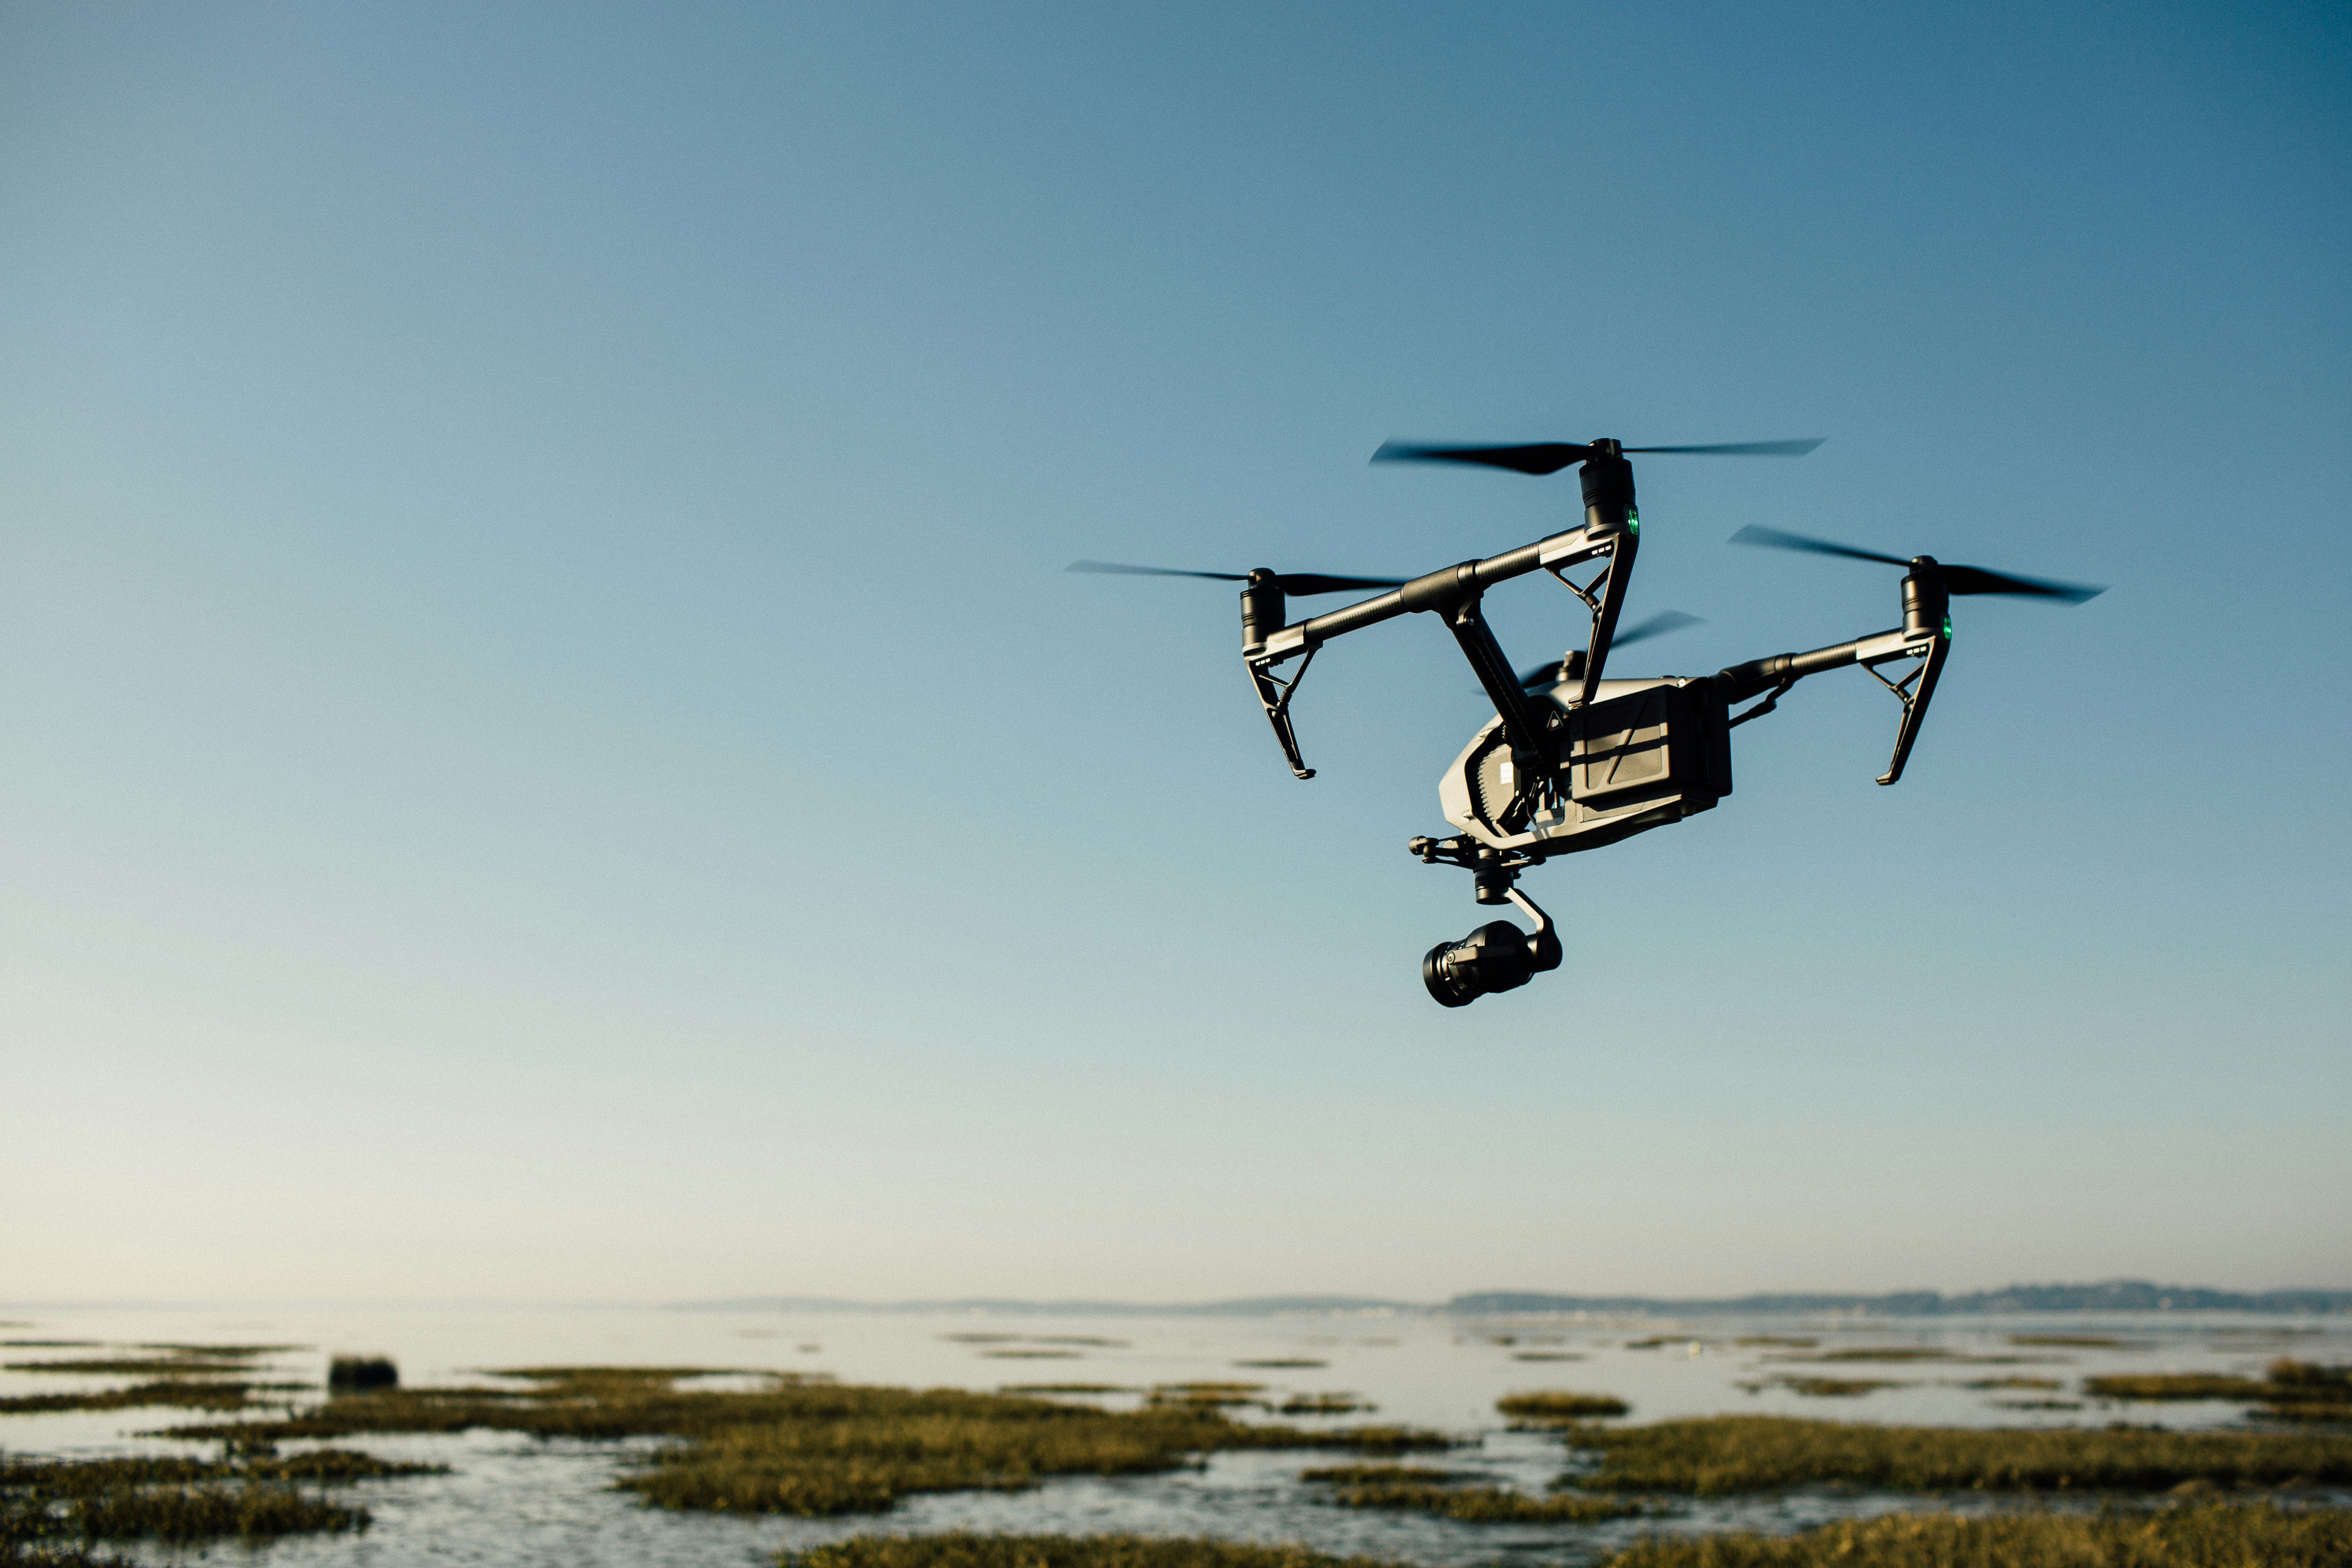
point(516, 1499)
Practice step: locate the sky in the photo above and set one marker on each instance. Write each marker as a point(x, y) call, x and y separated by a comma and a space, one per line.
point(546, 750)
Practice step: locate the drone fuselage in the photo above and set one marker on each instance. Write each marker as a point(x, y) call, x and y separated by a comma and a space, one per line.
point(1641, 754)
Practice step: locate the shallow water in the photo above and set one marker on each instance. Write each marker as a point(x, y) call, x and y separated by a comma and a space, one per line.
point(516, 1499)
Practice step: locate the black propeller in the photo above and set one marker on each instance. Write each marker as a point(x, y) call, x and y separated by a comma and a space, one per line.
point(1956, 579)
point(1657, 626)
point(1295, 584)
point(1551, 457)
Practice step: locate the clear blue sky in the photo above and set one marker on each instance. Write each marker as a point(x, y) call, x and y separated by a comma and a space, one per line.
point(546, 749)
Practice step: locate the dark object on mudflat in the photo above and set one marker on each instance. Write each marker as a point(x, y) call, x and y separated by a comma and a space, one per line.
point(355, 1373)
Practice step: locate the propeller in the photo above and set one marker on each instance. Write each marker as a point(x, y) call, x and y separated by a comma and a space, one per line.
point(1657, 626)
point(1956, 579)
point(1295, 583)
point(1551, 457)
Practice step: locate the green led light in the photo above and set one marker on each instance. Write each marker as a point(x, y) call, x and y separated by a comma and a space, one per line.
point(1947, 628)
point(1633, 521)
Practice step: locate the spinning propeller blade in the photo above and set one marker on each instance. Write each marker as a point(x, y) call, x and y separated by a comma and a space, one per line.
point(1956, 579)
point(1657, 626)
point(1295, 584)
point(1551, 457)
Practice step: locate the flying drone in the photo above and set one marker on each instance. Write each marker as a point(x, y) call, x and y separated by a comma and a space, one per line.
point(1573, 762)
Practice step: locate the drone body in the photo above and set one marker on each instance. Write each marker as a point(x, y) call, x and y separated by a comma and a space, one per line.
point(1571, 761)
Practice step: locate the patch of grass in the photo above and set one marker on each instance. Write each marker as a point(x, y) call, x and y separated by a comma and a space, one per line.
point(2011, 1382)
point(2155, 1386)
point(1658, 1342)
point(1550, 1355)
point(173, 1392)
point(132, 1365)
point(1063, 1388)
point(1427, 1491)
point(52, 1344)
point(1386, 1439)
point(1379, 1475)
point(1793, 1341)
point(2085, 1341)
point(2037, 1403)
point(1078, 1340)
point(1549, 1407)
point(1206, 1395)
point(52, 1510)
point(1836, 1387)
point(2292, 1390)
point(800, 1446)
point(1325, 1404)
point(1031, 1355)
point(961, 1549)
point(980, 1338)
point(2209, 1535)
point(1284, 1360)
point(1484, 1505)
point(1721, 1454)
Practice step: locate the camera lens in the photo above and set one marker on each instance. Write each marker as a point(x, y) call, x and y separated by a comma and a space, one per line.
point(1495, 957)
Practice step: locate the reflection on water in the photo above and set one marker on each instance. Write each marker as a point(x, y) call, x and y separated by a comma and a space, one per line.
point(516, 1499)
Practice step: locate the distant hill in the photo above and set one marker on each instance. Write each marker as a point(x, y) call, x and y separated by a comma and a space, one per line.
point(1247, 1307)
point(2109, 1296)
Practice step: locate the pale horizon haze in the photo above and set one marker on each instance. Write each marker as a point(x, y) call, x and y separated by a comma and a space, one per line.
point(546, 749)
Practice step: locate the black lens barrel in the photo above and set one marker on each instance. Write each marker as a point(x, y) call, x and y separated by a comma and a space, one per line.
point(1495, 957)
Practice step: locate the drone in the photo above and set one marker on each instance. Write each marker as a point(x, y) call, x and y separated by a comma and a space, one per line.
point(1571, 761)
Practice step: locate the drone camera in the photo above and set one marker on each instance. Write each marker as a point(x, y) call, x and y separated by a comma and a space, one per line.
point(1498, 956)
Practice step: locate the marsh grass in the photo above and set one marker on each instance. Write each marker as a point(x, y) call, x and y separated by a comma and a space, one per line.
point(1832, 1387)
point(1063, 1388)
point(52, 1510)
point(1379, 1475)
point(1550, 1355)
point(2292, 1390)
point(173, 1394)
point(1488, 1505)
point(2083, 1342)
point(1206, 1395)
point(1325, 1404)
point(2207, 1535)
point(1426, 1490)
point(1550, 1407)
point(1792, 1342)
point(2011, 1382)
point(804, 1446)
point(132, 1365)
point(1721, 1454)
point(1284, 1361)
point(966, 1550)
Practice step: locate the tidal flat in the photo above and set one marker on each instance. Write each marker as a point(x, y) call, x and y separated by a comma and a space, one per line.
point(634, 1437)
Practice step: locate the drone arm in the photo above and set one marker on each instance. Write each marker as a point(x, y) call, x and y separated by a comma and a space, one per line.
point(1436, 590)
point(1470, 630)
point(1742, 681)
point(1930, 645)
